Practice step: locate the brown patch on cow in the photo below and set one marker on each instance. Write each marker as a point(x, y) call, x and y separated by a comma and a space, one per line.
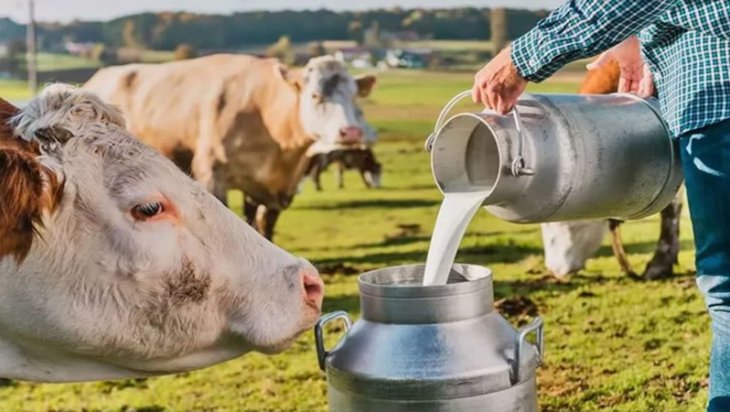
point(27, 189)
point(187, 286)
point(330, 85)
point(365, 85)
point(130, 80)
point(221, 103)
point(603, 80)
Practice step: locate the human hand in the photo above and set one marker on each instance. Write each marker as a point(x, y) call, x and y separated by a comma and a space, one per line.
point(635, 74)
point(498, 84)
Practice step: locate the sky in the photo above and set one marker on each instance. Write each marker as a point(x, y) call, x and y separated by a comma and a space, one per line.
point(67, 10)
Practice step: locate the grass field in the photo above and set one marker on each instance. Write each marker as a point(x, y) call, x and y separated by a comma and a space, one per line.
point(612, 344)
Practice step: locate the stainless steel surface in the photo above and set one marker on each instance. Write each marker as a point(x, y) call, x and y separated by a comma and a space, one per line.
point(589, 156)
point(430, 348)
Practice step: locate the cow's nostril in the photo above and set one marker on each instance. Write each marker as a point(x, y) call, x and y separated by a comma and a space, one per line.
point(313, 288)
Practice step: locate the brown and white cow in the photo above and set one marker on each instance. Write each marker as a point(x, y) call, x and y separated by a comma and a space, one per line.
point(239, 122)
point(568, 245)
point(114, 263)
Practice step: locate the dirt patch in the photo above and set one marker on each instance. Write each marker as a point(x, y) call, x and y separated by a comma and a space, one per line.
point(517, 307)
point(337, 268)
point(404, 230)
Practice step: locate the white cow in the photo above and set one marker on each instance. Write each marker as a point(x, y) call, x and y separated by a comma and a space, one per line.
point(115, 264)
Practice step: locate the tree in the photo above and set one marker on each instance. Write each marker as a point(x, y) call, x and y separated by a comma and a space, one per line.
point(498, 25)
point(184, 51)
point(372, 35)
point(355, 30)
point(128, 35)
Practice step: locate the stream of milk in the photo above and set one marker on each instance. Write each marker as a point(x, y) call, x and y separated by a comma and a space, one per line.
point(454, 216)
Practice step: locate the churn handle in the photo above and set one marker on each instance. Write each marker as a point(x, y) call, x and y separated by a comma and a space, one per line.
point(518, 164)
point(322, 353)
point(535, 325)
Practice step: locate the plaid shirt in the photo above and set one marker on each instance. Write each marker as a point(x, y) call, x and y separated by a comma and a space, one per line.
point(685, 42)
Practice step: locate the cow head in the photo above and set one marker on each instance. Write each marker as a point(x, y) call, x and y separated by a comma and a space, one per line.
point(113, 263)
point(327, 93)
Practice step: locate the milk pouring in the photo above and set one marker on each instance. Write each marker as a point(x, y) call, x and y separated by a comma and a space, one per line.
point(454, 216)
point(556, 157)
point(429, 339)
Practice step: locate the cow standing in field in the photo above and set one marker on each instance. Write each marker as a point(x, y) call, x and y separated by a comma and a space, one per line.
point(115, 264)
point(568, 245)
point(239, 122)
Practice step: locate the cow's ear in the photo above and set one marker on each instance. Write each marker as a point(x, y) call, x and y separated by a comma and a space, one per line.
point(27, 189)
point(293, 77)
point(365, 84)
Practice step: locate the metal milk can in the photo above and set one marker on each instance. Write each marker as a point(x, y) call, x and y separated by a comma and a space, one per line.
point(560, 157)
point(430, 348)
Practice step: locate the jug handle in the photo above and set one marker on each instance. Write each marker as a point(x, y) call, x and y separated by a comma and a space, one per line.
point(322, 353)
point(518, 167)
point(535, 326)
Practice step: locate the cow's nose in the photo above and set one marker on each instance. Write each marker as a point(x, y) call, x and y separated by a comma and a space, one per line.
point(351, 134)
point(312, 287)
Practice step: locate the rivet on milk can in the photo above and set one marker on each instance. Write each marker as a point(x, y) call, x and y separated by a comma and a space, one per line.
point(430, 348)
point(560, 157)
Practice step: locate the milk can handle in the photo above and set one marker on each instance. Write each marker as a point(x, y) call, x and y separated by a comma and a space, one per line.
point(535, 326)
point(518, 167)
point(322, 353)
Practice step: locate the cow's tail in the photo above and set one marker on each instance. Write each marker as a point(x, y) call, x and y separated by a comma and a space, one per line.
point(617, 245)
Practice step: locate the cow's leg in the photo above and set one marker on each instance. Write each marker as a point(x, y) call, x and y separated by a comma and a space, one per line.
point(367, 178)
point(317, 177)
point(667, 249)
point(250, 208)
point(617, 245)
point(340, 175)
point(266, 220)
point(317, 164)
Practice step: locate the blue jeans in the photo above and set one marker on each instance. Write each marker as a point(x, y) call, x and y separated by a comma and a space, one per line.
point(705, 157)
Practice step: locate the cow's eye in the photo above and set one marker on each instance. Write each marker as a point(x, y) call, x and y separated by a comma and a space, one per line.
point(317, 97)
point(147, 210)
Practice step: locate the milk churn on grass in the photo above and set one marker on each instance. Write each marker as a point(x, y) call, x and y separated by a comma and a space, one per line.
point(430, 348)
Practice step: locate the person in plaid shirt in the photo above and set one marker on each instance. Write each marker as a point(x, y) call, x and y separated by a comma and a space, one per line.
point(682, 46)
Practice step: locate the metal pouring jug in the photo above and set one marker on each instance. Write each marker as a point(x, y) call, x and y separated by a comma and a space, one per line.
point(430, 348)
point(560, 157)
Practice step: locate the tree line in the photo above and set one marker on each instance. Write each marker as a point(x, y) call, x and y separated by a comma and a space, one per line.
point(165, 31)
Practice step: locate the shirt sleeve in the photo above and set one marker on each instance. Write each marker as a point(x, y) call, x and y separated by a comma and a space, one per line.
point(581, 28)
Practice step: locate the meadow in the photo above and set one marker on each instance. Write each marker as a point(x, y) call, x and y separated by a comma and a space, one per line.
point(612, 343)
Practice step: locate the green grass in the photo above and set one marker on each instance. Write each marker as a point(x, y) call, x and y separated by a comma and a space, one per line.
point(448, 45)
point(57, 61)
point(14, 90)
point(612, 344)
point(157, 56)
